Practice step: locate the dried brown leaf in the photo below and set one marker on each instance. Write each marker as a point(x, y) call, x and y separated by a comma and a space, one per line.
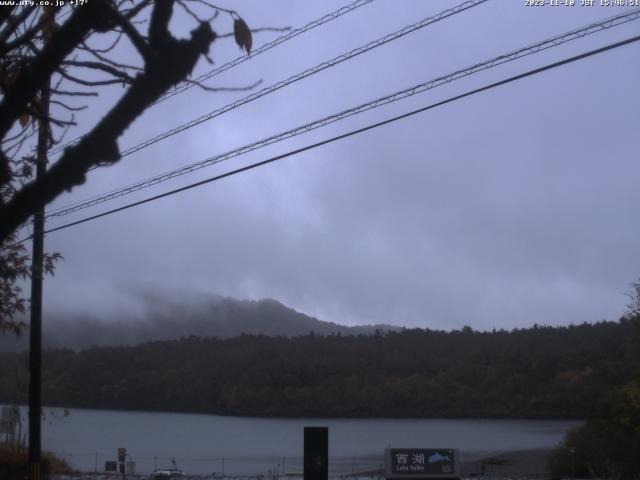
point(11, 77)
point(48, 24)
point(242, 33)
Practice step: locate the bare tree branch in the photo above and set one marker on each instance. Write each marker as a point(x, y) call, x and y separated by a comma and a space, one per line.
point(84, 46)
point(5, 13)
point(33, 53)
point(134, 11)
point(13, 23)
point(136, 39)
point(11, 139)
point(174, 61)
point(62, 42)
point(30, 33)
point(73, 93)
point(122, 75)
point(68, 107)
point(88, 83)
point(98, 54)
point(158, 28)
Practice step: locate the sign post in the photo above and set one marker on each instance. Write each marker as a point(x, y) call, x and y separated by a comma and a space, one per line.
point(122, 456)
point(422, 463)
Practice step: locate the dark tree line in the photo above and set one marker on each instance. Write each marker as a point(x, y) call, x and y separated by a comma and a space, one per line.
point(607, 444)
point(541, 372)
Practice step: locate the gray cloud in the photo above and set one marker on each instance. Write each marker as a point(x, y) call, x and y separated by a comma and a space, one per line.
point(513, 207)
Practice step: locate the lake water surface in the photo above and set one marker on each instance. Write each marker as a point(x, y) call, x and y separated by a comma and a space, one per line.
point(202, 444)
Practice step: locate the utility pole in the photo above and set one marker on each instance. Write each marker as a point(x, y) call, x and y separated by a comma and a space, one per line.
point(37, 275)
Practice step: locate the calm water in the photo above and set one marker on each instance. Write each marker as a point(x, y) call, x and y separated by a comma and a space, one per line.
point(202, 444)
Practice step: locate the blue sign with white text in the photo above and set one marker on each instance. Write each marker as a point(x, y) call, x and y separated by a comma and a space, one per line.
point(419, 461)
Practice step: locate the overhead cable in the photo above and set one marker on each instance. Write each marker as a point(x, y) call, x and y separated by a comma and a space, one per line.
point(302, 75)
point(243, 58)
point(355, 132)
point(267, 46)
point(408, 92)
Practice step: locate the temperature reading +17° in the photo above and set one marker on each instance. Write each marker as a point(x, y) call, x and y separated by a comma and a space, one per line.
point(73, 3)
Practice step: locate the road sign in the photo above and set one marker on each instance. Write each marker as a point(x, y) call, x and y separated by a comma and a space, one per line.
point(110, 466)
point(421, 463)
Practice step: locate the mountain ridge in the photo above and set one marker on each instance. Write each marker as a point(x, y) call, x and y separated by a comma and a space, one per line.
point(170, 318)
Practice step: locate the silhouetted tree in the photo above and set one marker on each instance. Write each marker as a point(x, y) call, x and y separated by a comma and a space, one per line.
point(40, 58)
point(607, 445)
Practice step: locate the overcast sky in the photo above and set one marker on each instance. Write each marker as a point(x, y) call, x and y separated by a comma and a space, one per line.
point(512, 207)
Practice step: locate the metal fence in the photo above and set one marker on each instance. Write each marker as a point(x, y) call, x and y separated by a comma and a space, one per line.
point(236, 466)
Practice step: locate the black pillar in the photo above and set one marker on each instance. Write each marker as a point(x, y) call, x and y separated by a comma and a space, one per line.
point(316, 453)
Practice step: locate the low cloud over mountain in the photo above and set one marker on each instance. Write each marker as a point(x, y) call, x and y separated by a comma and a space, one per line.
point(163, 317)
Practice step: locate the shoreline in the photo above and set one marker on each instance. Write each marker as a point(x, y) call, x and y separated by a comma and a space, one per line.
point(266, 416)
point(529, 463)
point(495, 465)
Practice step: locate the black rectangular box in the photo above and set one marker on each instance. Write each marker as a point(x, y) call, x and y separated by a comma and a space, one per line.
point(316, 453)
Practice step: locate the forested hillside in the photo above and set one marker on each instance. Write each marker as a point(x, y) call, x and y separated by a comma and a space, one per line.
point(541, 372)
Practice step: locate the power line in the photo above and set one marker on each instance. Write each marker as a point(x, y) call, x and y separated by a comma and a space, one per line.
point(355, 132)
point(306, 73)
point(404, 31)
point(243, 58)
point(267, 46)
point(422, 87)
